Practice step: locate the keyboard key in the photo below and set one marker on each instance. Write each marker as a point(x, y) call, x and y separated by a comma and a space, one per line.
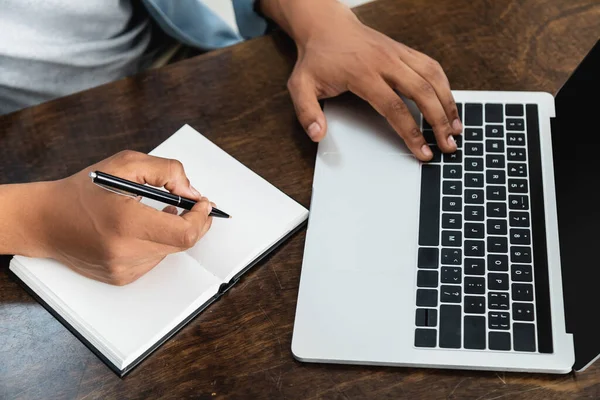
point(425, 337)
point(450, 294)
point(424, 123)
point(473, 114)
point(499, 340)
point(522, 292)
point(515, 124)
point(427, 278)
point(451, 275)
point(459, 141)
point(451, 256)
point(452, 172)
point(520, 236)
point(517, 186)
point(427, 297)
point(499, 320)
point(474, 149)
point(517, 169)
point(473, 134)
point(473, 213)
point(515, 154)
point(494, 146)
point(474, 266)
point(523, 337)
point(497, 244)
point(474, 180)
point(518, 219)
point(498, 301)
point(473, 196)
point(497, 281)
point(475, 304)
point(452, 187)
point(450, 326)
point(426, 317)
point(495, 193)
point(497, 262)
point(437, 154)
point(451, 221)
point(451, 238)
point(494, 131)
point(429, 218)
point(451, 204)
point(473, 164)
point(474, 285)
point(521, 273)
point(522, 311)
point(455, 157)
point(515, 139)
point(494, 161)
point(514, 110)
point(496, 227)
point(518, 202)
point(474, 332)
point(459, 107)
point(474, 248)
point(474, 230)
point(493, 113)
point(496, 210)
point(429, 136)
point(520, 254)
point(428, 257)
point(495, 177)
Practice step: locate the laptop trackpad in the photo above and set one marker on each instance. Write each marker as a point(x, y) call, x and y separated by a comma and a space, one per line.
point(365, 211)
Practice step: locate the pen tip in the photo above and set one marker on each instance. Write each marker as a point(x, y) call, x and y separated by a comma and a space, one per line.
point(230, 217)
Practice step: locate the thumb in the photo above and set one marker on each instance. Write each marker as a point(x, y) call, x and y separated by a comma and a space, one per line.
point(311, 117)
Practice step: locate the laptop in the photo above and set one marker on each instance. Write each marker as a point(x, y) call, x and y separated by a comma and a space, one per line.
point(483, 259)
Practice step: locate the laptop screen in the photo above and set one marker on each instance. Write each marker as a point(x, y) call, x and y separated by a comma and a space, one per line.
point(575, 135)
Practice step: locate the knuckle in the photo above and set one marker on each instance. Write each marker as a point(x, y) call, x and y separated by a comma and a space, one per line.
point(190, 237)
point(413, 134)
point(433, 67)
point(175, 166)
point(128, 156)
point(425, 88)
point(395, 107)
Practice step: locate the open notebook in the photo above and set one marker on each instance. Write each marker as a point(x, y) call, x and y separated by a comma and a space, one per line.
point(123, 325)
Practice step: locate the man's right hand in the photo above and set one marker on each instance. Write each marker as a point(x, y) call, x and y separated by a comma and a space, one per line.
point(104, 236)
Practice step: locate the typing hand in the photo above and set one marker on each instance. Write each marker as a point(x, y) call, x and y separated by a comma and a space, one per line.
point(113, 238)
point(337, 53)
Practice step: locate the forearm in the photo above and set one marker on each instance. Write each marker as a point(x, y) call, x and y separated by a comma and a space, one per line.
point(302, 19)
point(20, 218)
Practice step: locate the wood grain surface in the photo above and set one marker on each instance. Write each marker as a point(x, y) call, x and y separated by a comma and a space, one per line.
point(237, 97)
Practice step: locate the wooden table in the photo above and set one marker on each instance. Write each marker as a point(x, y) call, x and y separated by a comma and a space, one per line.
point(240, 347)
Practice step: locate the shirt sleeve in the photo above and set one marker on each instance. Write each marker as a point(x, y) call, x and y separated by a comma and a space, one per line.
point(195, 23)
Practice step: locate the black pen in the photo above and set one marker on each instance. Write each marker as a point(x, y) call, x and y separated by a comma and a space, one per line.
point(133, 189)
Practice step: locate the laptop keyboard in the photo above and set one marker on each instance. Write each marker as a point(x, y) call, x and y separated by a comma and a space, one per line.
point(477, 275)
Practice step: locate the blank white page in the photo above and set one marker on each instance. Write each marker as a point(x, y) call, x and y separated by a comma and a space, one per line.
point(125, 320)
point(261, 213)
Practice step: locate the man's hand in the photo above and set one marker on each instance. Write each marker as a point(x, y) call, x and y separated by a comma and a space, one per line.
point(102, 235)
point(337, 53)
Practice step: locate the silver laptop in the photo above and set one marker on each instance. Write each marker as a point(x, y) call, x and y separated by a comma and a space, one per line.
point(481, 259)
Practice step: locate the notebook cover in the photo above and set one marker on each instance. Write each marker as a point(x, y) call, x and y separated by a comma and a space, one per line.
point(122, 372)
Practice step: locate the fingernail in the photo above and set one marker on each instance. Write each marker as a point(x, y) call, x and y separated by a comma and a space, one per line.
point(313, 130)
point(194, 191)
point(209, 209)
point(451, 141)
point(426, 150)
point(457, 125)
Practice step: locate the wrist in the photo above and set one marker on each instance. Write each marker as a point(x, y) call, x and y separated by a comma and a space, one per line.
point(304, 19)
point(23, 218)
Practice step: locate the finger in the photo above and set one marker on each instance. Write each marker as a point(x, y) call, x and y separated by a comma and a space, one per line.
point(158, 172)
point(170, 210)
point(167, 233)
point(310, 115)
point(432, 72)
point(387, 103)
point(411, 84)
